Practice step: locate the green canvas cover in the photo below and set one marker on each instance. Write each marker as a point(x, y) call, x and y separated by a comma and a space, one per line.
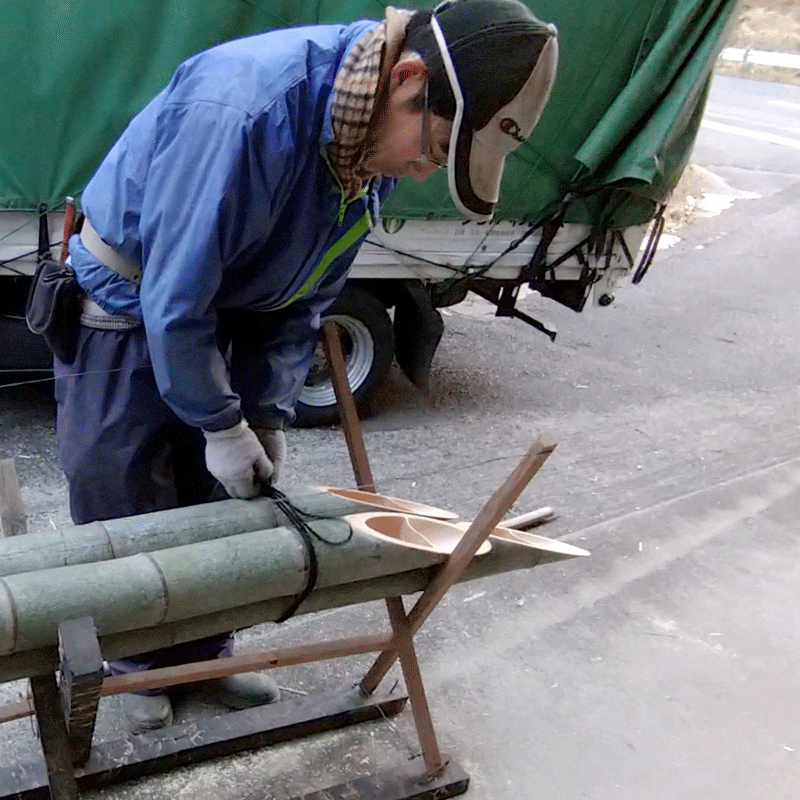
point(619, 128)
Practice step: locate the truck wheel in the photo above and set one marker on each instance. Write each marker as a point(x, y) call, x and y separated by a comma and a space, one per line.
point(368, 345)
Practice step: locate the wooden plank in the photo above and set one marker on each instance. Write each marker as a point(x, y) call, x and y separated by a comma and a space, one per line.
point(404, 646)
point(403, 784)
point(12, 509)
point(477, 533)
point(81, 678)
point(53, 735)
point(177, 745)
point(218, 668)
point(347, 407)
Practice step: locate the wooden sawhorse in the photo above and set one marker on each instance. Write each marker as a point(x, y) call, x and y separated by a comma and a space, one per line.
point(65, 700)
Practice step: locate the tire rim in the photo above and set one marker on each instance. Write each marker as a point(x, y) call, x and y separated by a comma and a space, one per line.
point(359, 356)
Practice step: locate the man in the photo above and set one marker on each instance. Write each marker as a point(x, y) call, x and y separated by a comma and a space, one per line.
point(222, 224)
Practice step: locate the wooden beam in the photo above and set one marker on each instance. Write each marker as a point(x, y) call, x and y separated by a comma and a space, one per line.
point(218, 668)
point(404, 644)
point(347, 407)
point(403, 784)
point(133, 757)
point(53, 735)
point(477, 533)
point(18, 710)
point(403, 641)
point(12, 510)
point(81, 667)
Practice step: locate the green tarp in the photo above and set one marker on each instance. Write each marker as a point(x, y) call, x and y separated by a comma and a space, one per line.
point(619, 128)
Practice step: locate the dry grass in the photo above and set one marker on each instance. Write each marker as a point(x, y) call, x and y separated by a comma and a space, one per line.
point(771, 25)
point(768, 26)
point(756, 72)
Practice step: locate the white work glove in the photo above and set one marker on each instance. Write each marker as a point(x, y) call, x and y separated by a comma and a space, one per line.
point(273, 441)
point(237, 460)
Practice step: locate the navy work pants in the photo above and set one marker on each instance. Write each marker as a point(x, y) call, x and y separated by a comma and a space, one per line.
point(125, 452)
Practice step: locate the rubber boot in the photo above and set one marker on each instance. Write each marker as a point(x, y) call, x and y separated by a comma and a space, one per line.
point(242, 691)
point(146, 712)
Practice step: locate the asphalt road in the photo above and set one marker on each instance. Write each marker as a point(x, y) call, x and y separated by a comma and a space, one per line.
point(664, 666)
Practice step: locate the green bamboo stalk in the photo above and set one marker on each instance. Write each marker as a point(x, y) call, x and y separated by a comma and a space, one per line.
point(505, 556)
point(159, 530)
point(150, 589)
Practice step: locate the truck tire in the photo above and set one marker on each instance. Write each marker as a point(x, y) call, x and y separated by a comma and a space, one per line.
point(368, 345)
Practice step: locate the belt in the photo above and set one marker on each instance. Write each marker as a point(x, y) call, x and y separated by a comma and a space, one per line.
point(93, 316)
point(107, 255)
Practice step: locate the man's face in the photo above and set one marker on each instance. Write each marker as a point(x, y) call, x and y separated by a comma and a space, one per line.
point(396, 145)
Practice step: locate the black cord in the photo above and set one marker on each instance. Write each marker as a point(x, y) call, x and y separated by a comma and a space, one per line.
point(299, 520)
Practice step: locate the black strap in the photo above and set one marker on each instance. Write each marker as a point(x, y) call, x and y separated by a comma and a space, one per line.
point(299, 519)
point(295, 517)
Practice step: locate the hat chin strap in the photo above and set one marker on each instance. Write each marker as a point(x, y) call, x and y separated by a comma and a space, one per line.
point(455, 86)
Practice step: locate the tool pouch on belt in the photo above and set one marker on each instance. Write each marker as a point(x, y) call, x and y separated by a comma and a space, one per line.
point(54, 307)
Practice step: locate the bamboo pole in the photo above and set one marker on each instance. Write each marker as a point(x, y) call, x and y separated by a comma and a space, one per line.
point(150, 589)
point(505, 556)
point(160, 530)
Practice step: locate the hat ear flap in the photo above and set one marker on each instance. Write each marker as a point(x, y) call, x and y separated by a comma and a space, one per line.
point(535, 93)
point(475, 180)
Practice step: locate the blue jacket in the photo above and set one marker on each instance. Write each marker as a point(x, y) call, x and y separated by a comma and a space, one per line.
point(219, 188)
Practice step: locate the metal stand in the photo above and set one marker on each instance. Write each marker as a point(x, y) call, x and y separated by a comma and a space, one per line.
point(66, 708)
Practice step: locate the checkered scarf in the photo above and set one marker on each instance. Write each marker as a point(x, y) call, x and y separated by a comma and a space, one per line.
point(358, 84)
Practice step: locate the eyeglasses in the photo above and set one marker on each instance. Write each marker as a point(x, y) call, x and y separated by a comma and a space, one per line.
point(426, 156)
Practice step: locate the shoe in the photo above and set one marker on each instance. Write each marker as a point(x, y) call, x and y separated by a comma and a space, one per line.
point(243, 691)
point(146, 712)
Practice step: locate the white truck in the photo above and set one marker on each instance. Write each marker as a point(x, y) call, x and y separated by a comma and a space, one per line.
point(577, 202)
point(403, 273)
